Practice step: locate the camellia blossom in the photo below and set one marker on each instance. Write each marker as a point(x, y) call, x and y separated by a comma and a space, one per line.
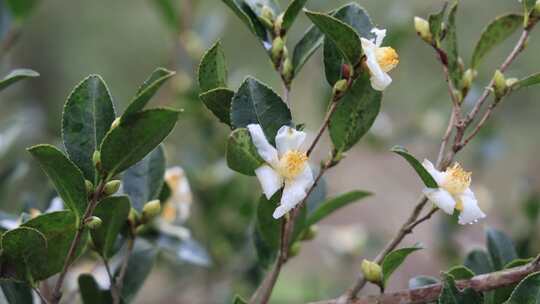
point(454, 192)
point(379, 60)
point(285, 166)
point(177, 207)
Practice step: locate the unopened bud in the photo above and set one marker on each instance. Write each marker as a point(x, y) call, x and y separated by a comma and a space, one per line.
point(277, 49)
point(111, 187)
point(89, 186)
point(288, 69)
point(346, 71)
point(510, 82)
point(150, 210)
point(133, 217)
point(295, 249)
point(421, 26)
point(115, 122)
point(499, 84)
point(278, 26)
point(468, 78)
point(93, 222)
point(372, 271)
point(340, 87)
point(310, 233)
point(267, 17)
point(96, 158)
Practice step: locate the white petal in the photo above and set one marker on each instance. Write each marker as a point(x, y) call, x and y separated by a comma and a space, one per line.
point(270, 180)
point(294, 192)
point(471, 212)
point(288, 138)
point(57, 204)
point(437, 175)
point(379, 79)
point(265, 149)
point(379, 35)
point(441, 198)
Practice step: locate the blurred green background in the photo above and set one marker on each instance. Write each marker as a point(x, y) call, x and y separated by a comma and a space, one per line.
point(124, 40)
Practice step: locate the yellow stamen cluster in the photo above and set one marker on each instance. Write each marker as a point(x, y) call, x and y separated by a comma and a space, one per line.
point(387, 58)
point(169, 212)
point(292, 163)
point(457, 181)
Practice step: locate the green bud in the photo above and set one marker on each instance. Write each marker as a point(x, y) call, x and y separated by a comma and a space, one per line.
point(340, 87)
point(468, 78)
point(372, 271)
point(115, 123)
point(277, 49)
point(421, 26)
point(150, 210)
point(96, 158)
point(510, 82)
point(267, 17)
point(111, 187)
point(288, 69)
point(499, 84)
point(310, 233)
point(278, 24)
point(295, 249)
point(89, 186)
point(133, 217)
point(93, 222)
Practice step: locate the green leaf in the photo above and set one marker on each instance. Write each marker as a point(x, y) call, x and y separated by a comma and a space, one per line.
point(344, 36)
point(88, 115)
point(135, 137)
point(502, 294)
point(479, 262)
point(16, 293)
point(256, 103)
point(219, 102)
point(66, 177)
point(435, 24)
point(305, 47)
point(518, 262)
point(355, 114)
point(22, 246)
point(292, 11)
point(394, 259)
point(16, 75)
point(113, 211)
point(169, 13)
point(242, 156)
point(248, 17)
point(213, 69)
point(21, 9)
point(417, 166)
point(141, 261)
point(239, 300)
point(495, 33)
point(528, 5)
point(421, 281)
point(90, 291)
point(333, 204)
point(267, 230)
point(147, 90)
point(59, 230)
point(143, 181)
point(461, 272)
point(333, 61)
point(527, 291)
point(452, 47)
point(527, 81)
point(451, 295)
point(500, 248)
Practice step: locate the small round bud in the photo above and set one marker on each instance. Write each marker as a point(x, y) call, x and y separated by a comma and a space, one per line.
point(346, 71)
point(89, 186)
point(468, 78)
point(115, 123)
point(133, 217)
point(267, 17)
point(421, 26)
point(93, 222)
point(499, 84)
point(372, 271)
point(151, 210)
point(295, 249)
point(288, 70)
point(278, 26)
point(111, 187)
point(277, 49)
point(310, 233)
point(96, 158)
point(340, 87)
point(510, 82)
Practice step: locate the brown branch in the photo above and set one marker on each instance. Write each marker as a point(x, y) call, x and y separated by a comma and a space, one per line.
point(326, 121)
point(429, 293)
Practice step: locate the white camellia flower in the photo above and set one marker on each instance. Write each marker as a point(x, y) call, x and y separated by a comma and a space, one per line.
point(379, 60)
point(454, 192)
point(285, 166)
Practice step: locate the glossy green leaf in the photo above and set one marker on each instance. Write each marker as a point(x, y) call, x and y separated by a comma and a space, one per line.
point(461, 272)
point(248, 17)
point(500, 295)
point(20, 248)
point(90, 291)
point(527, 291)
point(242, 156)
point(500, 248)
point(213, 69)
point(16, 75)
point(528, 81)
point(435, 24)
point(417, 166)
point(518, 262)
point(344, 36)
point(88, 115)
point(479, 262)
point(452, 47)
point(495, 33)
point(140, 264)
point(305, 47)
point(421, 281)
point(147, 90)
point(330, 206)
point(291, 13)
point(66, 177)
point(113, 211)
point(355, 114)
point(16, 293)
point(394, 259)
point(450, 294)
point(267, 230)
point(333, 62)
point(135, 137)
point(218, 101)
point(21, 9)
point(59, 230)
point(256, 103)
point(143, 181)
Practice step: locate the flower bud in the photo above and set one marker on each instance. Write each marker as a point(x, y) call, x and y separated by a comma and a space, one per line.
point(340, 87)
point(267, 17)
point(111, 187)
point(96, 158)
point(278, 26)
point(89, 186)
point(277, 49)
point(310, 233)
point(499, 84)
point(510, 82)
point(346, 71)
point(133, 217)
point(150, 210)
point(468, 78)
point(422, 29)
point(93, 222)
point(295, 249)
point(372, 271)
point(288, 69)
point(115, 123)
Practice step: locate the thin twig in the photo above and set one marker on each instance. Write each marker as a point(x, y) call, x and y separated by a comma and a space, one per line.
point(480, 125)
point(41, 297)
point(326, 121)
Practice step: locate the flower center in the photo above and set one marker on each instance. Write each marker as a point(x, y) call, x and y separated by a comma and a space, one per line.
point(169, 212)
point(387, 58)
point(292, 163)
point(457, 181)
